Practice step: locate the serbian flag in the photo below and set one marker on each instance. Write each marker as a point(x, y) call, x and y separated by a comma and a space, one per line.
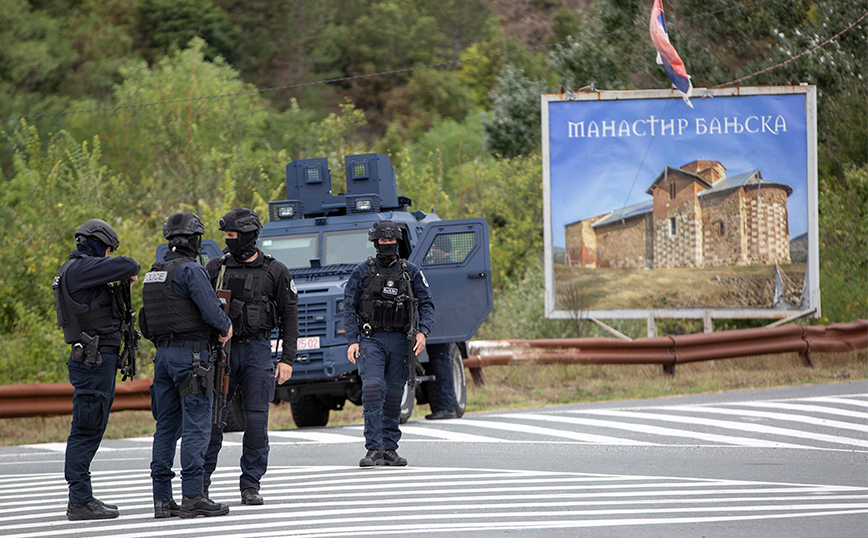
point(666, 55)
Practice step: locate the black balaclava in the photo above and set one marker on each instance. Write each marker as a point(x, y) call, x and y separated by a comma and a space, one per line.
point(386, 253)
point(186, 245)
point(244, 246)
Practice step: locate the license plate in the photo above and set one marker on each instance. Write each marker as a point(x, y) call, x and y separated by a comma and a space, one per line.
point(302, 344)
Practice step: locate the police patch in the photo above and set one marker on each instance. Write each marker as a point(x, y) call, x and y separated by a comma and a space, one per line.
point(424, 281)
point(155, 276)
point(292, 286)
point(390, 291)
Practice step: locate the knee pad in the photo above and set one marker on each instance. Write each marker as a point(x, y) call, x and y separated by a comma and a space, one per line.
point(371, 394)
point(393, 402)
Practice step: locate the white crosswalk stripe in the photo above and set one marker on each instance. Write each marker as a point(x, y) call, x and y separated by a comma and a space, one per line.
point(324, 501)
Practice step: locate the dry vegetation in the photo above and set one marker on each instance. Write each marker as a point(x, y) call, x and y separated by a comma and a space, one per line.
point(513, 387)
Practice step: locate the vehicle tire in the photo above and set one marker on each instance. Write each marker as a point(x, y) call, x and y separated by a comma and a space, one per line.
point(235, 419)
point(407, 401)
point(459, 383)
point(309, 412)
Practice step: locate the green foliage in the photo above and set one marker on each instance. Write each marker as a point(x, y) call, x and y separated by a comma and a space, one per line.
point(167, 25)
point(512, 128)
point(844, 246)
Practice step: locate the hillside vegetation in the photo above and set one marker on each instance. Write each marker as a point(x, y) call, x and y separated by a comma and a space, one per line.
point(130, 110)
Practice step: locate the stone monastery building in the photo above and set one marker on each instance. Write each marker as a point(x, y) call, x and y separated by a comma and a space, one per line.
point(697, 217)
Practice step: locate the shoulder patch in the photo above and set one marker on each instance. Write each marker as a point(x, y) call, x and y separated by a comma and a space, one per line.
point(292, 286)
point(424, 280)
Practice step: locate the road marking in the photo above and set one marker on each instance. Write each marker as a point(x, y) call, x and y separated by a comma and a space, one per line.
point(807, 408)
point(841, 401)
point(448, 435)
point(313, 436)
point(654, 430)
point(536, 430)
point(728, 424)
point(305, 502)
point(787, 417)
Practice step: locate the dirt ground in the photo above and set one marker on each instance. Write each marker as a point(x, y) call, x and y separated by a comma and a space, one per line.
point(581, 288)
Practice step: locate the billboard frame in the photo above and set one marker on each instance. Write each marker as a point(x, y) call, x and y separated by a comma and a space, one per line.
point(812, 277)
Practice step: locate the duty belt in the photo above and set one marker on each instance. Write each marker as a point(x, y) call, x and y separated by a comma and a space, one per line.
point(245, 338)
point(189, 344)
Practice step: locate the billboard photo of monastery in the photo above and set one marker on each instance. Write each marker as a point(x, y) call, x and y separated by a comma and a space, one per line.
point(657, 208)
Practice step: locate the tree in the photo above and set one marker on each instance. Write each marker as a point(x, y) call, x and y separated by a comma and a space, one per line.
point(512, 127)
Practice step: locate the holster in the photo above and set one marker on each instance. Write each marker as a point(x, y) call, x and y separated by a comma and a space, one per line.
point(87, 351)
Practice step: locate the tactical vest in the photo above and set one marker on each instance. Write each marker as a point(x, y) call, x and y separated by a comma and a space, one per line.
point(250, 310)
point(164, 311)
point(385, 301)
point(102, 316)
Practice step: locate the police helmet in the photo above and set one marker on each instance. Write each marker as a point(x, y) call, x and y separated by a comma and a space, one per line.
point(182, 224)
point(240, 220)
point(384, 229)
point(99, 230)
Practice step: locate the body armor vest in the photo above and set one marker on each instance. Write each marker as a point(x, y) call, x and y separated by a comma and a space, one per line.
point(250, 310)
point(385, 301)
point(102, 316)
point(164, 311)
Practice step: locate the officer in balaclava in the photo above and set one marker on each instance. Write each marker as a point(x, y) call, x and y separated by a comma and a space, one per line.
point(181, 311)
point(89, 312)
point(263, 297)
point(377, 319)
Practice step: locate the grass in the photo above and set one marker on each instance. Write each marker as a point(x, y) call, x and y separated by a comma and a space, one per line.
point(528, 386)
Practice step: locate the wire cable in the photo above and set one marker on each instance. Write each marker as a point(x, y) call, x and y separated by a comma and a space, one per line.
point(369, 75)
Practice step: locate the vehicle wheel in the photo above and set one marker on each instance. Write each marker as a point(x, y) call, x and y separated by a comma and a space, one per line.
point(309, 412)
point(235, 419)
point(459, 383)
point(407, 401)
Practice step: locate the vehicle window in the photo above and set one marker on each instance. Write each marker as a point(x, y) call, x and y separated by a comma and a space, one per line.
point(347, 247)
point(450, 248)
point(294, 251)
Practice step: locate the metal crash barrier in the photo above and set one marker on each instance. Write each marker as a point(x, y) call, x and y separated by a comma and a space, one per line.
point(47, 399)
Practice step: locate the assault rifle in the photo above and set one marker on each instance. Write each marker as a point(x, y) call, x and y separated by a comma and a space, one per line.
point(220, 353)
point(127, 359)
point(412, 362)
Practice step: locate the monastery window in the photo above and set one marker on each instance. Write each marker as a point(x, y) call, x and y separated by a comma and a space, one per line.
point(721, 229)
point(672, 191)
point(673, 227)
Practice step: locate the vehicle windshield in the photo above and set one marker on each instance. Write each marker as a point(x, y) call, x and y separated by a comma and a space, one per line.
point(339, 248)
point(347, 247)
point(295, 251)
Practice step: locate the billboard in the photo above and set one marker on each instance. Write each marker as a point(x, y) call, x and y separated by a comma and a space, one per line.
point(654, 209)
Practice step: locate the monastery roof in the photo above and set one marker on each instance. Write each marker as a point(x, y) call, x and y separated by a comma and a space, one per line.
point(626, 212)
point(754, 178)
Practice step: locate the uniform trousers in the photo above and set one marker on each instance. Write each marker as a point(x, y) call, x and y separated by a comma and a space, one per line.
point(91, 402)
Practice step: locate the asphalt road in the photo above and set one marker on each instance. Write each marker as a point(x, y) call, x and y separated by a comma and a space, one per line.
point(789, 462)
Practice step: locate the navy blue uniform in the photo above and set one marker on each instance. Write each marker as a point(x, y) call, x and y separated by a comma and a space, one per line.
point(251, 367)
point(187, 418)
point(383, 355)
point(86, 279)
point(441, 365)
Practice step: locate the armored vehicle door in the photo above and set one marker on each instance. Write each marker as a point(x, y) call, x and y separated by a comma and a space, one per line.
point(454, 257)
point(209, 249)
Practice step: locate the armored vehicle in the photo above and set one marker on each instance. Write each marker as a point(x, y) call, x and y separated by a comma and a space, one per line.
point(322, 236)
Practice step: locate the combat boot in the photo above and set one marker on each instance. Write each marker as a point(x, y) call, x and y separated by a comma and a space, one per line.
point(200, 505)
point(372, 458)
point(250, 496)
point(107, 505)
point(90, 510)
point(390, 457)
point(164, 508)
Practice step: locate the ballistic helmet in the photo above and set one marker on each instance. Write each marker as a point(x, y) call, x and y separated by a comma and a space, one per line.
point(384, 229)
point(240, 220)
point(182, 224)
point(99, 230)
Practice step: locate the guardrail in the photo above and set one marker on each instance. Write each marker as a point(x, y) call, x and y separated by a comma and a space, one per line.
point(47, 399)
point(669, 351)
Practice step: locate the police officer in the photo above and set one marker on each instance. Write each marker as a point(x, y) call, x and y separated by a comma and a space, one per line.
point(263, 296)
point(377, 321)
point(90, 311)
point(181, 311)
